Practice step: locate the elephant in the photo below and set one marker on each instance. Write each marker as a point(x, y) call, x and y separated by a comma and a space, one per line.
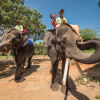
point(17, 42)
point(64, 42)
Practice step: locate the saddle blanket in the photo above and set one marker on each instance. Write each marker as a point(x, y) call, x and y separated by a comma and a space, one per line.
point(30, 41)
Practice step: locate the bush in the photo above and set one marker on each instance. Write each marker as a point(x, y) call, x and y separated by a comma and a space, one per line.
point(89, 34)
point(40, 49)
point(3, 54)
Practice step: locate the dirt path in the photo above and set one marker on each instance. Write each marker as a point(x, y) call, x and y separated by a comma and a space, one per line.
point(37, 83)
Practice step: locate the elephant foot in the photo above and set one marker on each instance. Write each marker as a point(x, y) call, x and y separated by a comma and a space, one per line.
point(28, 67)
point(54, 86)
point(19, 79)
point(22, 72)
point(63, 90)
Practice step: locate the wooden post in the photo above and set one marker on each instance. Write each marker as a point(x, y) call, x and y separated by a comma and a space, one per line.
point(80, 70)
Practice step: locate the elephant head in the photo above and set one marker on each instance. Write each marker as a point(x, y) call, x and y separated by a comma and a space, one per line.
point(12, 39)
point(67, 42)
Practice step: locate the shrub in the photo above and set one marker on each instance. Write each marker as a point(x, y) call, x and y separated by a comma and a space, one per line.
point(40, 49)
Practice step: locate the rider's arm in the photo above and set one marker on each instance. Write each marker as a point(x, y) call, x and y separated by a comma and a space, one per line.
point(64, 20)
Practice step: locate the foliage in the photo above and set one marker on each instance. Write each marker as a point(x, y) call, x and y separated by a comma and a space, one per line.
point(40, 49)
point(4, 57)
point(91, 50)
point(97, 97)
point(88, 34)
point(3, 54)
point(99, 3)
point(13, 10)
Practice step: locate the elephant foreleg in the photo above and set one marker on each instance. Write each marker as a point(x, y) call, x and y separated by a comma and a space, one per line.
point(18, 73)
point(54, 62)
point(63, 65)
point(54, 83)
point(19, 64)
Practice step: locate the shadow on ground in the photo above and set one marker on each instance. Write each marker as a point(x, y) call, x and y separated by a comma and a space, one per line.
point(94, 72)
point(74, 92)
point(28, 72)
point(4, 64)
point(72, 87)
point(6, 70)
point(38, 61)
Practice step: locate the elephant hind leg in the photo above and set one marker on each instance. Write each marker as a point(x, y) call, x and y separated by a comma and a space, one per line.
point(29, 62)
point(23, 66)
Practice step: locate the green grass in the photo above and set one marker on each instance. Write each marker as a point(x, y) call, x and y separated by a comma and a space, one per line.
point(97, 97)
point(41, 51)
point(4, 57)
point(81, 81)
point(89, 51)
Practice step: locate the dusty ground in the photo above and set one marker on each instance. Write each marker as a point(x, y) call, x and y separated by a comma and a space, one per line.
point(37, 83)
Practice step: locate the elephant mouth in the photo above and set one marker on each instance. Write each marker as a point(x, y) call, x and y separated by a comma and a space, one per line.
point(5, 49)
point(5, 46)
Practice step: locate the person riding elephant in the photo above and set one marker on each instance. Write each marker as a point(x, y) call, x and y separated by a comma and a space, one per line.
point(60, 20)
point(53, 22)
point(19, 26)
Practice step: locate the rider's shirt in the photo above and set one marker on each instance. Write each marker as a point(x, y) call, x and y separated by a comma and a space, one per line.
point(19, 27)
point(59, 21)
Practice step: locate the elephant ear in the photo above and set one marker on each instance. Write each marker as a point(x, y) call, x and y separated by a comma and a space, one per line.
point(24, 40)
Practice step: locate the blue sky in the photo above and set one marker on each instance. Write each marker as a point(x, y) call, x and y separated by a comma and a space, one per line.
point(85, 13)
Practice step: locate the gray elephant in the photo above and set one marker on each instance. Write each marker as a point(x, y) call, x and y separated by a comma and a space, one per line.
point(18, 43)
point(64, 43)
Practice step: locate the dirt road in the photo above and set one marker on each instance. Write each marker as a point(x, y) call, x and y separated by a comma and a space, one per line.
point(37, 83)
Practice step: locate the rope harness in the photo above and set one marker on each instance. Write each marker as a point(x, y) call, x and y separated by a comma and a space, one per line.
point(7, 31)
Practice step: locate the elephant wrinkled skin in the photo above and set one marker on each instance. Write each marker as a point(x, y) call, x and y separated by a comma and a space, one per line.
point(18, 43)
point(64, 43)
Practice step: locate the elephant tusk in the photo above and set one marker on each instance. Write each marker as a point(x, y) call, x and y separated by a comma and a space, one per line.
point(80, 42)
point(66, 70)
point(5, 48)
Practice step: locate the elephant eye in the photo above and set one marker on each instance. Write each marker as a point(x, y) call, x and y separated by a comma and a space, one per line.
point(63, 41)
point(14, 40)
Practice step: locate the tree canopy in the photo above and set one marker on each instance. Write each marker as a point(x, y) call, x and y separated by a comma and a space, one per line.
point(99, 3)
point(13, 10)
point(89, 34)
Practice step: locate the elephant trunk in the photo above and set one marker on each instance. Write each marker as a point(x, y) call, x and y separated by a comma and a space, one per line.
point(85, 58)
point(4, 46)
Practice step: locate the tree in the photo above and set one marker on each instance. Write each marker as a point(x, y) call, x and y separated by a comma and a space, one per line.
point(13, 10)
point(89, 34)
point(37, 27)
point(99, 3)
